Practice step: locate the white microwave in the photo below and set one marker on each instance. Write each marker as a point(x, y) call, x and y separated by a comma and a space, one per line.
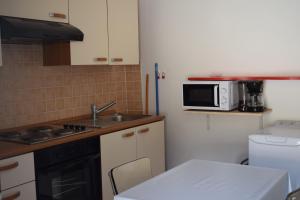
point(210, 95)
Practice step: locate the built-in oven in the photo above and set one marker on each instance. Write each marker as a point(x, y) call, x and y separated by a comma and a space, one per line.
point(210, 95)
point(69, 171)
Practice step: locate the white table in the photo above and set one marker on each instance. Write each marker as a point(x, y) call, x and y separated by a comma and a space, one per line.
point(208, 180)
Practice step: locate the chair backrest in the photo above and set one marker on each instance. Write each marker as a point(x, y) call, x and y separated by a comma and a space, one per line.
point(130, 174)
point(294, 195)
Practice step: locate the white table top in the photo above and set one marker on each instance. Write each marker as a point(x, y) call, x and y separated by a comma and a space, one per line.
point(208, 180)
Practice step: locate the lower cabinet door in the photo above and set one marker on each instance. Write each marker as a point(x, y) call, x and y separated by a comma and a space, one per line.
point(116, 148)
point(151, 144)
point(22, 192)
point(16, 171)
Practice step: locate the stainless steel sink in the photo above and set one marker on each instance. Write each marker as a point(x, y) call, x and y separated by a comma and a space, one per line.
point(108, 120)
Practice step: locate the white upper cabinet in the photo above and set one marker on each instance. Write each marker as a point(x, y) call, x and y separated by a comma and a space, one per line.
point(110, 27)
point(110, 32)
point(123, 32)
point(49, 10)
point(91, 19)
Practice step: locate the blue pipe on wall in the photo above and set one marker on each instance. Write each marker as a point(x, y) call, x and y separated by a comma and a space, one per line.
point(156, 88)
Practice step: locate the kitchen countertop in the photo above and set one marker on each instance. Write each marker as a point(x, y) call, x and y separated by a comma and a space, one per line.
point(10, 149)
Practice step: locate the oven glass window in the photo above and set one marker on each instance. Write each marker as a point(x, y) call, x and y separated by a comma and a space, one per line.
point(74, 180)
point(199, 95)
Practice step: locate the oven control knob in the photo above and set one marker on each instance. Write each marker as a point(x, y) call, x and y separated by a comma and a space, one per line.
point(82, 128)
point(223, 90)
point(224, 100)
point(71, 126)
point(66, 126)
point(77, 128)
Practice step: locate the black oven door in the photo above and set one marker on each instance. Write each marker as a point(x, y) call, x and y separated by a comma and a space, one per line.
point(73, 180)
point(201, 95)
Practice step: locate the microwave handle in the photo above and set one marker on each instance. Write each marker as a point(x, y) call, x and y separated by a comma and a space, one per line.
point(216, 95)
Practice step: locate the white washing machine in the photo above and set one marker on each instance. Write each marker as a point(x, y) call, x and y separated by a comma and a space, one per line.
point(278, 146)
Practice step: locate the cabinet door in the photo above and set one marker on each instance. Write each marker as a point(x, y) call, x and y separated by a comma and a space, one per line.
point(49, 10)
point(16, 170)
point(123, 32)
point(91, 19)
point(151, 144)
point(116, 148)
point(22, 192)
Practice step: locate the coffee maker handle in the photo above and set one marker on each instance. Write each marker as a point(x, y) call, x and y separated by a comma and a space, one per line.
point(216, 95)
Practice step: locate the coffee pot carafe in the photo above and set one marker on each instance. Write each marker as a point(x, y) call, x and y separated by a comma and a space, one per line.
point(255, 103)
point(243, 96)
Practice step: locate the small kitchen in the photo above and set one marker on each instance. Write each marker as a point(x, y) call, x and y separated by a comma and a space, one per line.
point(87, 88)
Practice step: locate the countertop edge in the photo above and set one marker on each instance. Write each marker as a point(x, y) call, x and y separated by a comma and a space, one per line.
point(9, 149)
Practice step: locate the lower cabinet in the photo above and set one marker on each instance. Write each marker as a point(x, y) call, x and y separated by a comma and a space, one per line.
point(16, 171)
point(151, 144)
point(116, 148)
point(21, 192)
point(127, 145)
point(17, 178)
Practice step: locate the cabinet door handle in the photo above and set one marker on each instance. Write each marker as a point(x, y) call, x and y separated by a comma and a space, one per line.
point(58, 15)
point(101, 59)
point(144, 130)
point(13, 196)
point(127, 135)
point(117, 60)
point(9, 167)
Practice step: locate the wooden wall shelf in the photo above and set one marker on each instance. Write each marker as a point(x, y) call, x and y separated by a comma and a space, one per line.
point(242, 78)
point(234, 112)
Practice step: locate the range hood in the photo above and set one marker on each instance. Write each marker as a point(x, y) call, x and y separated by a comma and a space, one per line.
point(13, 28)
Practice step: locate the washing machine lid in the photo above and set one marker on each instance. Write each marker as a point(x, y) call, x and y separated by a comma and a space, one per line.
point(283, 128)
point(275, 140)
point(287, 123)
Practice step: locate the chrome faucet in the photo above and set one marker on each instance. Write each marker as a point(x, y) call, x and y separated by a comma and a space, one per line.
point(96, 110)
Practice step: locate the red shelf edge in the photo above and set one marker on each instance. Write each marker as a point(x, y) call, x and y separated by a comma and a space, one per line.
point(243, 78)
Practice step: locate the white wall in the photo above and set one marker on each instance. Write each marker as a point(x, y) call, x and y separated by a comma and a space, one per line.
point(232, 37)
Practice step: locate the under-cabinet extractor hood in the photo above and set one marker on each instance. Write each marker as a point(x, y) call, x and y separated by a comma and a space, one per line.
point(30, 29)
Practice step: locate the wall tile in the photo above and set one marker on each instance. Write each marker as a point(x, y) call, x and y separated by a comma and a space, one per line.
point(31, 93)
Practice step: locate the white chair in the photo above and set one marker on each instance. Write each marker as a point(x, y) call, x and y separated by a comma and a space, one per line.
point(130, 174)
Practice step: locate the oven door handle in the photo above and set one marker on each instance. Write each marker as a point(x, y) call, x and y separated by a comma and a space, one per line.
point(74, 162)
point(94, 157)
point(87, 159)
point(216, 95)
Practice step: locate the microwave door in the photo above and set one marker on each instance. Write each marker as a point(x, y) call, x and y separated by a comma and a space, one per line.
point(197, 95)
point(216, 95)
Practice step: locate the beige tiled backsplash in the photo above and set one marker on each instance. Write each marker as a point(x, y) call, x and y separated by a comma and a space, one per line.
point(32, 93)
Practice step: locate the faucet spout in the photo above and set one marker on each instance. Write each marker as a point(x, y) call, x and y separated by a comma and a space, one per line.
point(96, 110)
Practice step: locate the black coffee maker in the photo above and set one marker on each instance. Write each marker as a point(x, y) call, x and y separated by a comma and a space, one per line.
point(256, 101)
point(251, 96)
